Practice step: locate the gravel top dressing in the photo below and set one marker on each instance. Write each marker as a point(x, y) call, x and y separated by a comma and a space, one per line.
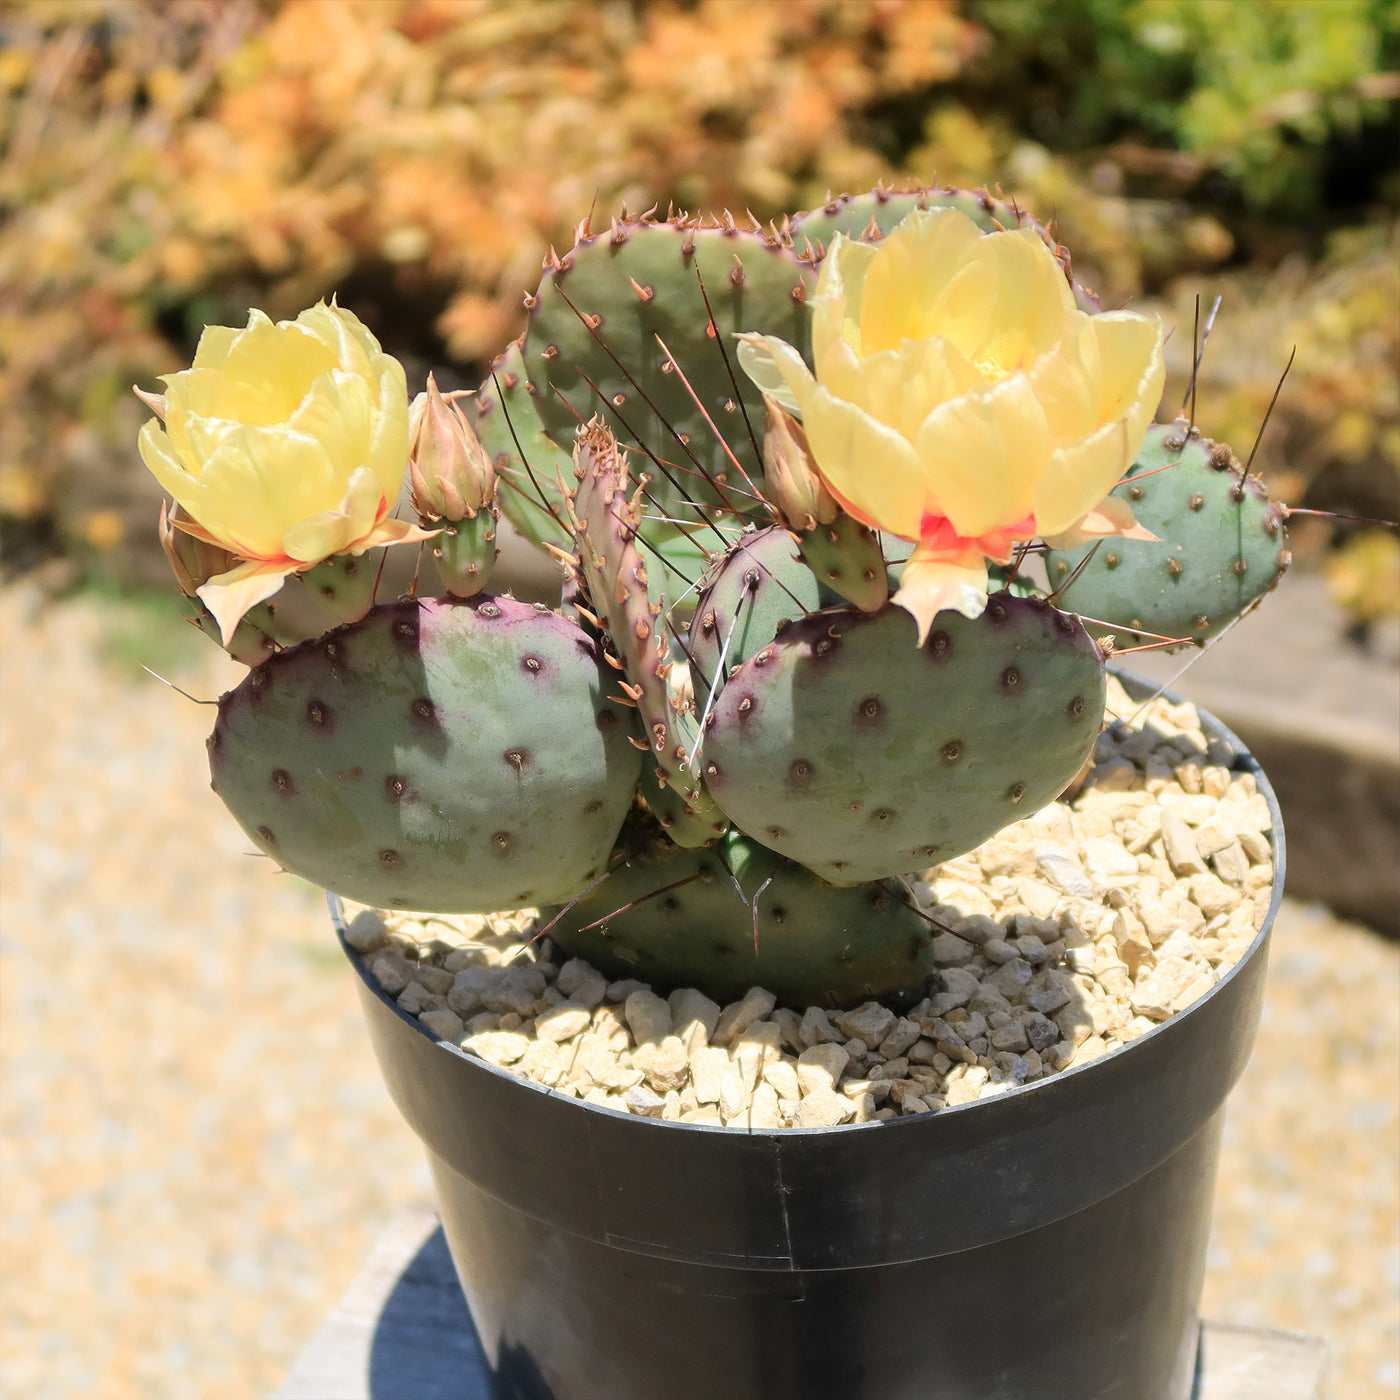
point(1070, 933)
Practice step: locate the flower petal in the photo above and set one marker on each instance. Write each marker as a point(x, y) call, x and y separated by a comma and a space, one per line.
point(391, 531)
point(905, 284)
point(260, 482)
point(1112, 516)
point(228, 596)
point(869, 467)
point(982, 454)
point(777, 369)
point(836, 302)
point(1080, 475)
point(902, 387)
point(1007, 304)
point(281, 361)
point(214, 345)
point(387, 454)
point(928, 586)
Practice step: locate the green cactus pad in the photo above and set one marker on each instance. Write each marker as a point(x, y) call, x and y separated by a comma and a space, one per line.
point(874, 214)
point(764, 584)
point(846, 556)
point(816, 945)
point(850, 748)
point(591, 347)
point(343, 584)
point(853, 214)
point(465, 552)
point(1221, 545)
point(439, 755)
point(529, 463)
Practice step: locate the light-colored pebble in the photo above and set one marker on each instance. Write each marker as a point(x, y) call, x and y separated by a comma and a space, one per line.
point(689, 1005)
point(366, 932)
point(869, 1022)
point(782, 1075)
point(1180, 844)
point(821, 1065)
point(1076, 930)
point(738, 1015)
point(665, 1065)
point(582, 983)
point(498, 1047)
point(445, 1024)
point(562, 1022)
point(648, 1016)
point(391, 972)
point(824, 1108)
point(708, 1066)
point(899, 1037)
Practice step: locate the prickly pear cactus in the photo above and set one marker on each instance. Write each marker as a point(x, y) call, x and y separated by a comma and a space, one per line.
point(436, 756)
point(1221, 545)
point(796, 656)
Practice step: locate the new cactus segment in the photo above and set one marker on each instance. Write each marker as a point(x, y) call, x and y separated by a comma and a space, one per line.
point(717, 760)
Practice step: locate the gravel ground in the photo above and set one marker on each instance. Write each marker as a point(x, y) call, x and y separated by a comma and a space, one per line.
point(195, 1150)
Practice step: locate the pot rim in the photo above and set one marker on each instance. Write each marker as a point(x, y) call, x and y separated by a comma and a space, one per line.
point(1139, 689)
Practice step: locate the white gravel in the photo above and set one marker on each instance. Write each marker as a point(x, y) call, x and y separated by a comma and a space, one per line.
point(1068, 934)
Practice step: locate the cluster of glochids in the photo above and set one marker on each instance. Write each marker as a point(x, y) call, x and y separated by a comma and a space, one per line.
point(716, 761)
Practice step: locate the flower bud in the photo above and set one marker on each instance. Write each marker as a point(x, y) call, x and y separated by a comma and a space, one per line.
point(193, 561)
point(450, 473)
point(793, 486)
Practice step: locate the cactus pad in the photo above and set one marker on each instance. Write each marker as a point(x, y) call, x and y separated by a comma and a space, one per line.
point(872, 215)
point(529, 463)
point(847, 747)
point(448, 756)
point(681, 921)
point(759, 588)
point(591, 346)
point(1220, 546)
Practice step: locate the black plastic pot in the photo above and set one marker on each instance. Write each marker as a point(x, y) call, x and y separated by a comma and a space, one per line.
point(1047, 1244)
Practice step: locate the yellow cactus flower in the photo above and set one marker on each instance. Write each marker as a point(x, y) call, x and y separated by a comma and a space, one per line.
point(284, 444)
point(961, 401)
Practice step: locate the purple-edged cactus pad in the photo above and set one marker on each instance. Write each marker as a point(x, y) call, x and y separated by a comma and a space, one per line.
point(845, 746)
point(438, 755)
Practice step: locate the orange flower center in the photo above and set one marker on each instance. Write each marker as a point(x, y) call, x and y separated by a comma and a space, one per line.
point(938, 539)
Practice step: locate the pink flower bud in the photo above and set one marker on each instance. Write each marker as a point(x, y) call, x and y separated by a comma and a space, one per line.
point(193, 561)
point(792, 485)
point(451, 475)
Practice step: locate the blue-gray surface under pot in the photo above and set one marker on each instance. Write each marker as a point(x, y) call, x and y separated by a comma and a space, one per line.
point(1046, 1244)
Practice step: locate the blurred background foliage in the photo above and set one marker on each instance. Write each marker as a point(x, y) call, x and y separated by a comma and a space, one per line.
point(173, 162)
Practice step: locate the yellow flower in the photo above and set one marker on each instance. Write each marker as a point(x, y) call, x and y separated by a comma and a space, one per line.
point(961, 401)
point(284, 443)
